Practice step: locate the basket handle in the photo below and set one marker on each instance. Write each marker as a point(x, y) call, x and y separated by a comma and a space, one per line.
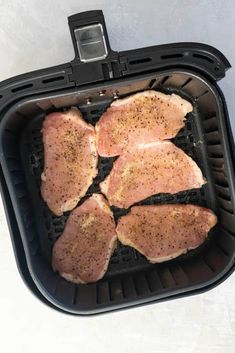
point(89, 36)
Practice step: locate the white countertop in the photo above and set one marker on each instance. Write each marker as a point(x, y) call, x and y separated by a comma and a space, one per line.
point(33, 35)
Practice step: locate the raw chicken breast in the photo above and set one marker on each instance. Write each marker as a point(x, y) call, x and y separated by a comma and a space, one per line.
point(158, 167)
point(82, 253)
point(70, 160)
point(141, 118)
point(164, 232)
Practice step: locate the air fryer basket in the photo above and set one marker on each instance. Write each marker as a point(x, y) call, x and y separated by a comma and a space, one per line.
point(130, 279)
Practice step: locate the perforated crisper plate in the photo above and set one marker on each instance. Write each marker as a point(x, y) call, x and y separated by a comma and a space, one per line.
point(50, 226)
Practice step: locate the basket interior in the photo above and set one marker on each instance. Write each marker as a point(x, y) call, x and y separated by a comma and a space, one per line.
point(130, 278)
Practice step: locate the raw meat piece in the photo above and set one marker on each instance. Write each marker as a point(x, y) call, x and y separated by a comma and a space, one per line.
point(164, 232)
point(70, 160)
point(82, 253)
point(158, 167)
point(141, 118)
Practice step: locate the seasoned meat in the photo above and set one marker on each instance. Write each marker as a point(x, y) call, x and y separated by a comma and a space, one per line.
point(158, 167)
point(141, 118)
point(82, 253)
point(70, 160)
point(164, 232)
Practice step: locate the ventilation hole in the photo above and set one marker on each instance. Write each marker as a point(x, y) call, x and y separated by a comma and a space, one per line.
point(222, 183)
point(217, 164)
point(225, 197)
point(149, 282)
point(169, 198)
point(214, 142)
point(203, 57)
point(103, 293)
point(186, 82)
point(141, 285)
point(180, 138)
point(59, 230)
point(153, 281)
point(201, 95)
point(181, 196)
point(224, 251)
point(123, 291)
point(0, 96)
point(37, 138)
point(114, 261)
point(164, 80)
point(20, 88)
point(191, 138)
point(201, 191)
point(75, 293)
point(18, 182)
point(152, 82)
point(116, 290)
point(13, 164)
point(166, 278)
point(226, 210)
point(183, 145)
point(56, 285)
point(211, 116)
point(124, 251)
point(32, 159)
point(189, 125)
point(211, 128)
point(140, 61)
point(172, 56)
point(216, 154)
point(56, 222)
point(34, 170)
point(53, 79)
point(94, 112)
point(211, 267)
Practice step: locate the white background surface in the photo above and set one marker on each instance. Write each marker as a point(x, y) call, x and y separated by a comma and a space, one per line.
point(34, 35)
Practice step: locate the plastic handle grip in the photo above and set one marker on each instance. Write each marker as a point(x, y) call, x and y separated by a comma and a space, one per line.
point(89, 36)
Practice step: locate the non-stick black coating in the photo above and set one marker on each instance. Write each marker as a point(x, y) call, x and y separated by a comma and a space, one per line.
point(130, 278)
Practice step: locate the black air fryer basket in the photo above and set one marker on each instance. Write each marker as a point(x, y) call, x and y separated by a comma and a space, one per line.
point(91, 81)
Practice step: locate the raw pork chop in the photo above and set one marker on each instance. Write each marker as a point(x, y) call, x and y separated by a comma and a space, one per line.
point(70, 160)
point(164, 232)
point(143, 117)
point(82, 253)
point(158, 167)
